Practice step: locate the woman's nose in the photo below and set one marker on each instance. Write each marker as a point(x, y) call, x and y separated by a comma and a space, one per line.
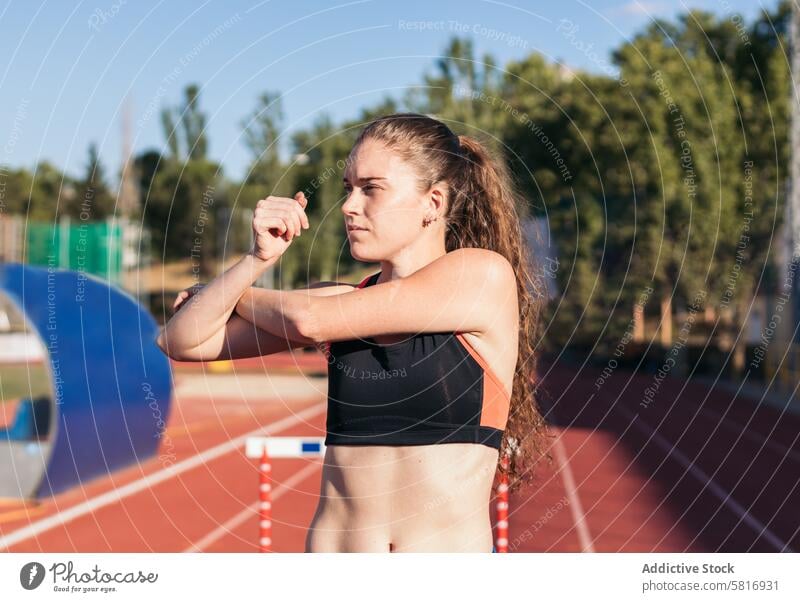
point(351, 205)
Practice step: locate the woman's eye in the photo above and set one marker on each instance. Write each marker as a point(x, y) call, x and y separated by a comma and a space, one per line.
point(349, 190)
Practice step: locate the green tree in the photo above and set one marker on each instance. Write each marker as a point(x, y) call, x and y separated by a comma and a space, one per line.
point(463, 92)
point(92, 200)
point(184, 127)
point(183, 203)
point(262, 129)
point(184, 192)
point(318, 256)
point(265, 174)
point(15, 192)
point(51, 190)
point(691, 167)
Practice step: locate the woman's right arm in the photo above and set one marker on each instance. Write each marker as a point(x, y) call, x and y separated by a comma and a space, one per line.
point(204, 317)
point(204, 328)
point(240, 338)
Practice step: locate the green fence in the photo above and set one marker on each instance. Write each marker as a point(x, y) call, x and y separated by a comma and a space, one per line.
point(90, 247)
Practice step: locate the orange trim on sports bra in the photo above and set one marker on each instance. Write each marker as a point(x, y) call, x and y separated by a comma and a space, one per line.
point(496, 398)
point(486, 367)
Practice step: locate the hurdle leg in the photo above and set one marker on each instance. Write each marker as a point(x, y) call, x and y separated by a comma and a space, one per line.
point(501, 542)
point(265, 503)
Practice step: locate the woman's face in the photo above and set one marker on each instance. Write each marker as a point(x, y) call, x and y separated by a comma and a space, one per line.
point(382, 201)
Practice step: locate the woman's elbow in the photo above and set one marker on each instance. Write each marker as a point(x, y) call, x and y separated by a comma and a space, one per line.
point(302, 326)
point(162, 340)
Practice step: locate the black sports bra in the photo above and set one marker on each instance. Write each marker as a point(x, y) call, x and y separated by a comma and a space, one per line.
point(430, 388)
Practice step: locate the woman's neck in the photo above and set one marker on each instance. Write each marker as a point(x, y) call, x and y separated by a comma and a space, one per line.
point(408, 262)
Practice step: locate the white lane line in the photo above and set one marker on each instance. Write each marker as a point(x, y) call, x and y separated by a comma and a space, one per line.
point(701, 476)
point(117, 495)
point(575, 507)
point(228, 526)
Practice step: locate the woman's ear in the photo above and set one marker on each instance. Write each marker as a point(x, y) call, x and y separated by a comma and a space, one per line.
point(438, 197)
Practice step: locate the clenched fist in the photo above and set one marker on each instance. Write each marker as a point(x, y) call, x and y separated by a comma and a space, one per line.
point(276, 221)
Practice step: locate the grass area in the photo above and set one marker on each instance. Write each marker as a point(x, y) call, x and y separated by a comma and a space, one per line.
point(21, 380)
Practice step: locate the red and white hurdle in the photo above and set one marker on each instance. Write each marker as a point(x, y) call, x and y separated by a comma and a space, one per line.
point(265, 449)
point(265, 503)
point(501, 540)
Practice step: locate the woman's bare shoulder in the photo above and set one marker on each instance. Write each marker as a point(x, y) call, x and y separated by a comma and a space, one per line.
point(477, 270)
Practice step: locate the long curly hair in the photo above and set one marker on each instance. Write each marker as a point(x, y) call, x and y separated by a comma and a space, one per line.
point(482, 212)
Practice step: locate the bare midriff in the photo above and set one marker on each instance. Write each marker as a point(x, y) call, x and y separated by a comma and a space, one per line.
point(417, 498)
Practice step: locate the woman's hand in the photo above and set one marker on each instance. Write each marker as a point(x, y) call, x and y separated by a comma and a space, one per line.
point(182, 297)
point(276, 221)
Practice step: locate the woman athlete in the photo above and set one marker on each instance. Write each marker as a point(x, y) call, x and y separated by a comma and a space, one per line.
point(430, 360)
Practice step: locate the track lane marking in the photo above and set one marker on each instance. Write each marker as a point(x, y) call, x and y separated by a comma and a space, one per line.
point(575, 507)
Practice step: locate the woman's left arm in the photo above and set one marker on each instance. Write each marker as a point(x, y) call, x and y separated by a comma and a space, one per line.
point(466, 290)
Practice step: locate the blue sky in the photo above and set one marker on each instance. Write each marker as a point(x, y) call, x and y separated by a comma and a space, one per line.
point(68, 67)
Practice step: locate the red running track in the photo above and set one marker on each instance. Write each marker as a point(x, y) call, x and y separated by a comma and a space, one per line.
point(693, 471)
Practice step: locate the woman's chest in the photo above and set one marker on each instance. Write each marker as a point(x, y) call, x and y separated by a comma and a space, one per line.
point(407, 365)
